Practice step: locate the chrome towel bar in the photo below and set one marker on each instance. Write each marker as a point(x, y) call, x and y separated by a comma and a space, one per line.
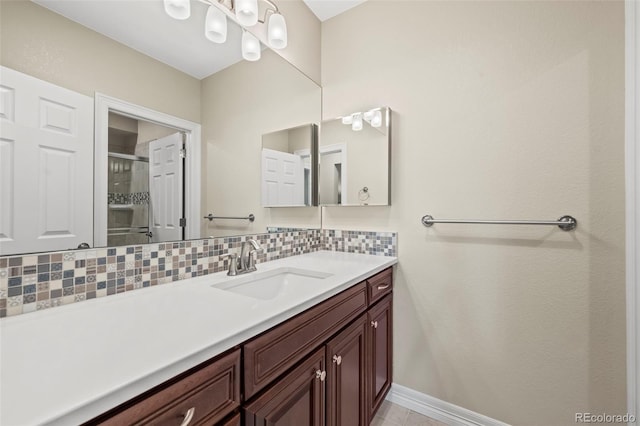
point(566, 223)
point(250, 218)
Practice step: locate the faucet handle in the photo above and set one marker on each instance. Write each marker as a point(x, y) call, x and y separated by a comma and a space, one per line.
point(256, 245)
point(233, 264)
point(252, 259)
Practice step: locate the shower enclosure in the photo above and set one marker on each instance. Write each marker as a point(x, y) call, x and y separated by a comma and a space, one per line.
point(128, 200)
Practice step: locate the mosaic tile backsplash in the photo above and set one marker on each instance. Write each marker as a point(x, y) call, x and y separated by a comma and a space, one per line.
point(40, 281)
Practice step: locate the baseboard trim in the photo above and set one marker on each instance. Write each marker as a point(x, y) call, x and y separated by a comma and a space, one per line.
point(438, 409)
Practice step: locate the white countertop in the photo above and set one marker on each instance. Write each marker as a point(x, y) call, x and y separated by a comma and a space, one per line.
point(69, 364)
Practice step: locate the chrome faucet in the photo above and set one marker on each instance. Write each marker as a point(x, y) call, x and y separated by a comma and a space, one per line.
point(247, 261)
point(248, 256)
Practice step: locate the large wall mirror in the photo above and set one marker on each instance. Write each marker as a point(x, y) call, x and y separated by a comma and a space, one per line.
point(355, 159)
point(150, 184)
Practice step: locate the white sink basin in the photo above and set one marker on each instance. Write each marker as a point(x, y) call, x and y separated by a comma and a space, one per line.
point(271, 284)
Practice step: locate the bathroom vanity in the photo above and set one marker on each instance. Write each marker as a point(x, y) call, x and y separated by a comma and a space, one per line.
point(320, 352)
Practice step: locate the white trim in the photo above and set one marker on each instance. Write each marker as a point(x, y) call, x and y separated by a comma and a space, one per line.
point(438, 409)
point(632, 173)
point(342, 149)
point(103, 105)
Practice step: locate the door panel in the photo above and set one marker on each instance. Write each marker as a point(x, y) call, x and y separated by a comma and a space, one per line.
point(47, 137)
point(282, 179)
point(165, 187)
point(380, 347)
point(346, 376)
point(6, 189)
point(298, 399)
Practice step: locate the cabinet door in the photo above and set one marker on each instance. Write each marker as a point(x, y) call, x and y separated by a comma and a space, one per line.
point(380, 347)
point(298, 399)
point(346, 373)
point(233, 421)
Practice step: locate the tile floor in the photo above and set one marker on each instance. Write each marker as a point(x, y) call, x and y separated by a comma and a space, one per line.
point(391, 414)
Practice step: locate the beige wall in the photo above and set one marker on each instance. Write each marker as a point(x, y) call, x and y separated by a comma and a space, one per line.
point(502, 110)
point(41, 43)
point(303, 31)
point(260, 97)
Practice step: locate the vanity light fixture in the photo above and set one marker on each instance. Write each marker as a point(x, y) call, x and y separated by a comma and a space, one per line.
point(247, 15)
point(246, 12)
point(373, 117)
point(178, 9)
point(250, 46)
point(356, 126)
point(376, 120)
point(215, 25)
point(347, 119)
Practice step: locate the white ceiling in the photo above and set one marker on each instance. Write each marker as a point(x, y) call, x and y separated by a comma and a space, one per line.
point(325, 9)
point(144, 26)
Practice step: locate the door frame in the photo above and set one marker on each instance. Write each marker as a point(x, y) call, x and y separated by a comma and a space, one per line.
point(192, 173)
point(632, 174)
point(336, 148)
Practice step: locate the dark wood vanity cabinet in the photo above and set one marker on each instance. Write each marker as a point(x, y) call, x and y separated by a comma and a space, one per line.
point(352, 336)
point(329, 365)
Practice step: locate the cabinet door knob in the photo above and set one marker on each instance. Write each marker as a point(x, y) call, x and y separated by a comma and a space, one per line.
point(321, 375)
point(188, 416)
point(337, 359)
point(374, 324)
point(383, 287)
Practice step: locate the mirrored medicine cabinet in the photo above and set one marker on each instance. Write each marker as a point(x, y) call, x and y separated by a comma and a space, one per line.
point(351, 155)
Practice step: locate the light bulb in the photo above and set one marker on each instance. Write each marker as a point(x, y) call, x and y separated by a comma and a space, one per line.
point(277, 31)
point(368, 115)
point(178, 9)
point(250, 47)
point(376, 121)
point(215, 25)
point(357, 122)
point(247, 12)
point(347, 119)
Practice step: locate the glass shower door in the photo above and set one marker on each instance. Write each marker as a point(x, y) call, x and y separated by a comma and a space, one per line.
point(128, 200)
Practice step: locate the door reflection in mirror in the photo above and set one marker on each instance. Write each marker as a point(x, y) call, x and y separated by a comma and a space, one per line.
point(287, 174)
point(145, 182)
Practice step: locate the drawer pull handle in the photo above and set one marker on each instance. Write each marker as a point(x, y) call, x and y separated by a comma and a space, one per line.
point(337, 359)
point(374, 324)
point(321, 375)
point(383, 287)
point(188, 417)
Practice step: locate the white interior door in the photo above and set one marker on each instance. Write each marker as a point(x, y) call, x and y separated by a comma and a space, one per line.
point(282, 179)
point(46, 165)
point(165, 187)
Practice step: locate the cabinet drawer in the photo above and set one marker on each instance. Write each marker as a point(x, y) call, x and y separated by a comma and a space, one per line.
point(379, 285)
point(207, 396)
point(271, 354)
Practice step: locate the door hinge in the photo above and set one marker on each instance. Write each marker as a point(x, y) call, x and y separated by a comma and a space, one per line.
point(183, 153)
point(183, 222)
